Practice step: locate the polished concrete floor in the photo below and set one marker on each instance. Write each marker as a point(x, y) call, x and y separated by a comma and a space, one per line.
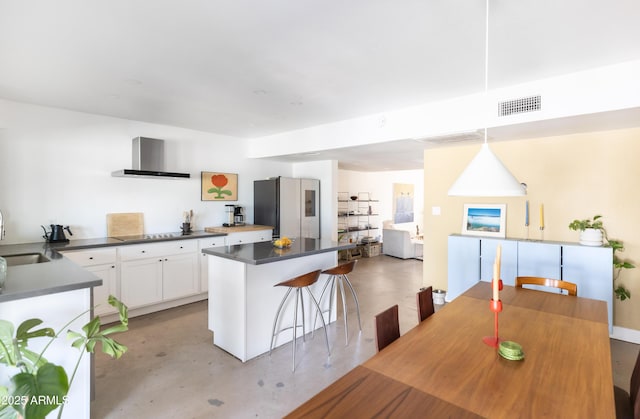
point(173, 370)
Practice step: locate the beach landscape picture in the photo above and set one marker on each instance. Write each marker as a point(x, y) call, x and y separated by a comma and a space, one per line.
point(484, 220)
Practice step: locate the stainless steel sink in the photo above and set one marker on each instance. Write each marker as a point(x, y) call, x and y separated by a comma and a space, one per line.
point(25, 259)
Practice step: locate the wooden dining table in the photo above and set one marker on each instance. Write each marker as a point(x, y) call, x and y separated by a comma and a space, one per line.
point(442, 367)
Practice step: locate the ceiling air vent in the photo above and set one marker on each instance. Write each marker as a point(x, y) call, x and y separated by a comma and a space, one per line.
point(522, 105)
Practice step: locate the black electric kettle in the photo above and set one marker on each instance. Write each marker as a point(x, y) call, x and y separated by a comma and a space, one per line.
point(56, 235)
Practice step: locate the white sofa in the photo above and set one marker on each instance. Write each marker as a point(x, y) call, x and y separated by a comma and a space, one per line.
point(399, 240)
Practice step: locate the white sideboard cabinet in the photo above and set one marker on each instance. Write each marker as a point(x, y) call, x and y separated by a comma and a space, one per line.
point(470, 259)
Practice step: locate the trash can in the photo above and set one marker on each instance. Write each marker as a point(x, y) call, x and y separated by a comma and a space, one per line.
point(438, 296)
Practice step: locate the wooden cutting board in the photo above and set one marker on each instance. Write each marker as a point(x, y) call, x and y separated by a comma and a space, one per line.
point(125, 224)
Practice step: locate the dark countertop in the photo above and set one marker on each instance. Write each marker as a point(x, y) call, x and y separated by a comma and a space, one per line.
point(264, 252)
point(61, 274)
point(109, 241)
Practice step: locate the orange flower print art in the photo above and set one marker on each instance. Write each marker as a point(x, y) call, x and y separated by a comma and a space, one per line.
point(219, 186)
point(219, 181)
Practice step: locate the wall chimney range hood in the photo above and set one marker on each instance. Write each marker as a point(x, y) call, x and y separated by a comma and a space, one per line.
point(148, 161)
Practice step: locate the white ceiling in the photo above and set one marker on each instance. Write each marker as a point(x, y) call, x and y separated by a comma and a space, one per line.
point(254, 68)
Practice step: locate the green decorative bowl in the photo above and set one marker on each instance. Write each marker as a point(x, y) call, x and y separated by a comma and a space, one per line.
point(511, 350)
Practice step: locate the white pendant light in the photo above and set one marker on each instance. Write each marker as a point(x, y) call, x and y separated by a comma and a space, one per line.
point(486, 175)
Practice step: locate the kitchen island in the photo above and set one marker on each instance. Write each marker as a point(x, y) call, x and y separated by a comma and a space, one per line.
point(242, 297)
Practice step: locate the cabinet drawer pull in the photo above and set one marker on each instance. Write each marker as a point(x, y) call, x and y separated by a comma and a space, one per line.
point(143, 251)
point(181, 247)
point(90, 257)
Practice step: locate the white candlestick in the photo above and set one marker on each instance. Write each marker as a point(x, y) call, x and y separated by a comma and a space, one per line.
point(496, 274)
point(494, 283)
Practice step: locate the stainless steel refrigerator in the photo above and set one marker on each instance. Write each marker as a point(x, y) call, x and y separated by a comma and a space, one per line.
point(290, 205)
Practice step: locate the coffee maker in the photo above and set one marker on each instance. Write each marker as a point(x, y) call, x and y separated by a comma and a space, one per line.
point(238, 215)
point(230, 211)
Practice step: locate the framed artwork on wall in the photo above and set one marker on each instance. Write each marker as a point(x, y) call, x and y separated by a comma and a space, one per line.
point(402, 203)
point(487, 220)
point(216, 186)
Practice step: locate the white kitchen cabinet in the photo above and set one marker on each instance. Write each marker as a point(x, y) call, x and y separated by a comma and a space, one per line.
point(204, 264)
point(155, 272)
point(236, 237)
point(92, 257)
point(108, 274)
point(249, 237)
point(180, 276)
point(162, 249)
point(141, 282)
point(102, 263)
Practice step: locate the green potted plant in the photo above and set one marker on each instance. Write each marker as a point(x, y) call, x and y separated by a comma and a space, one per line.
point(591, 230)
point(42, 381)
point(594, 228)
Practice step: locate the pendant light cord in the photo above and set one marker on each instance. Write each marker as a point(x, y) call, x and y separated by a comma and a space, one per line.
point(486, 62)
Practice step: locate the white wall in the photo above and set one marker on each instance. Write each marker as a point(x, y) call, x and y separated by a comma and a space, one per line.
point(380, 187)
point(55, 168)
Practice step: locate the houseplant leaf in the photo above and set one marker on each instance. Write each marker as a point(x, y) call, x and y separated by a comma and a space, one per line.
point(23, 333)
point(6, 410)
point(622, 293)
point(7, 355)
point(36, 359)
point(112, 348)
point(92, 327)
point(92, 334)
point(123, 311)
point(45, 390)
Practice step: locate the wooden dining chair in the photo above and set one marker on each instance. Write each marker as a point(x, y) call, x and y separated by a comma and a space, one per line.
point(570, 287)
point(628, 404)
point(424, 301)
point(387, 327)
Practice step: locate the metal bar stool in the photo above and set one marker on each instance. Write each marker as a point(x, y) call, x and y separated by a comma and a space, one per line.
point(298, 284)
point(339, 274)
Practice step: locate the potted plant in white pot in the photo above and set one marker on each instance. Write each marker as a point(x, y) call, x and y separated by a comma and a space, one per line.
point(591, 230)
point(37, 387)
point(593, 233)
